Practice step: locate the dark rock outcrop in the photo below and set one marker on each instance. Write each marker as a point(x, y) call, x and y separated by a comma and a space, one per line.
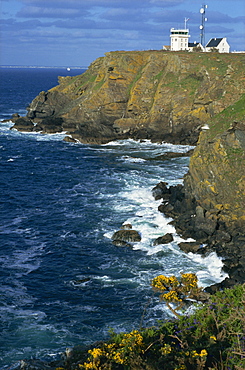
point(123, 237)
point(23, 124)
point(165, 239)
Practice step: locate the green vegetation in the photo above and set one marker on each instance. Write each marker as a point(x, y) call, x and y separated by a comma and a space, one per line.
point(158, 76)
point(99, 84)
point(190, 83)
point(137, 77)
point(222, 121)
point(85, 78)
point(211, 338)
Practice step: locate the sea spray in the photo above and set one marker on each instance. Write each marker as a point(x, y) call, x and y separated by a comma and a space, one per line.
point(63, 282)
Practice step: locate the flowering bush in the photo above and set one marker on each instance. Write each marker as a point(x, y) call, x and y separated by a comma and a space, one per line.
point(118, 352)
point(177, 291)
point(213, 338)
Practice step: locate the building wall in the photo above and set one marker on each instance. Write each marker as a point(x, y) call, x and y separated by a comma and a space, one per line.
point(179, 39)
point(223, 46)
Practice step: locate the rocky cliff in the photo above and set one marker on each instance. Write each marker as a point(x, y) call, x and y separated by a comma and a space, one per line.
point(153, 95)
point(210, 207)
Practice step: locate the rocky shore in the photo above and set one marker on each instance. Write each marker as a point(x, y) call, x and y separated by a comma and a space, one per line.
point(166, 97)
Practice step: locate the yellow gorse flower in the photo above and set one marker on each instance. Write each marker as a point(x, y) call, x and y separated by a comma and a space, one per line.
point(163, 282)
point(189, 280)
point(88, 366)
point(171, 296)
point(202, 354)
point(117, 352)
point(166, 349)
point(95, 352)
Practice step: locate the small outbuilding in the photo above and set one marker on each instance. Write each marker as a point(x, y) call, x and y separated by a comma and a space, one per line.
point(218, 44)
point(195, 46)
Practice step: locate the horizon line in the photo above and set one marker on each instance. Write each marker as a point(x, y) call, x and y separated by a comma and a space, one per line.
point(33, 66)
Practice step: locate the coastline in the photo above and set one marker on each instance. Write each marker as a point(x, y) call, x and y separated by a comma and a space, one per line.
point(197, 208)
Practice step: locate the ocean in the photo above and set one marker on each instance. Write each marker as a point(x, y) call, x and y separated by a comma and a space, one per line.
point(62, 281)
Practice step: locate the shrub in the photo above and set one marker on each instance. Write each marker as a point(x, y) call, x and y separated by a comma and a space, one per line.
point(212, 338)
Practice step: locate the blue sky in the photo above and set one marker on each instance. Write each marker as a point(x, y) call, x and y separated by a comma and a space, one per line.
point(76, 32)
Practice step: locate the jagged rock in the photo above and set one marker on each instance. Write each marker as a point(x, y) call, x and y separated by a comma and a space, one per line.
point(50, 125)
point(189, 247)
point(170, 155)
point(161, 191)
point(206, 225)
point(126, 226)
point(14, 117)
point(130, 236)
point(222, 236)
point(167, 209)
point(165, 239)
point(70, 139)
point(23, 124)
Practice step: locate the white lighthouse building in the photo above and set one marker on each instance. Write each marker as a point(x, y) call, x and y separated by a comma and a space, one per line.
point(179, 38)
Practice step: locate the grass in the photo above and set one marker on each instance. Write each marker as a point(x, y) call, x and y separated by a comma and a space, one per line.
point(213, 338)
point(222, 121)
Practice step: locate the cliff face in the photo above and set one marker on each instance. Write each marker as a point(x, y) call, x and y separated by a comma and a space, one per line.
point(210, 207)
point(144, 94)
point(216, 176)
point(216, 180)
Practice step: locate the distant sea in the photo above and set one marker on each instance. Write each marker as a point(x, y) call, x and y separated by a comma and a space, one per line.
point(62, 281)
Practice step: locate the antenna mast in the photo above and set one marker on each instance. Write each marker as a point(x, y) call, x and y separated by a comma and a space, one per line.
point(186, 20)
point(202, 26)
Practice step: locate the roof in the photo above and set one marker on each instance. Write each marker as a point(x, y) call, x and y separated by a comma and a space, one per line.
point(193, 44)
point(214, 42)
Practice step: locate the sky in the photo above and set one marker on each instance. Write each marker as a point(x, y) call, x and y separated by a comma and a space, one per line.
point(76, 32)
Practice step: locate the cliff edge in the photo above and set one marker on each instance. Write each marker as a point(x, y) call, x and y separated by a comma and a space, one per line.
point(157, 95)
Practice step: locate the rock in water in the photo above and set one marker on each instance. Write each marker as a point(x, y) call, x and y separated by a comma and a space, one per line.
point(165, 239)
point(128, 236)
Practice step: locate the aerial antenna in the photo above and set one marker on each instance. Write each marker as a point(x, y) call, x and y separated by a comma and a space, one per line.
point(186, 20)
point(202, 26)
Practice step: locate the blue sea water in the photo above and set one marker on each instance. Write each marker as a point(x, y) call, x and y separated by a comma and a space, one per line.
point(62, 281)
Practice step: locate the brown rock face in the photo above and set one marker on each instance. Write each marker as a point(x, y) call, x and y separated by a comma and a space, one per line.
point(157, 95)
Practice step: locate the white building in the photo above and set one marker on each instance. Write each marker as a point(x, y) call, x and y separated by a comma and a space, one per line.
point(219, 44)
point(195, 45)
point(179, 39)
